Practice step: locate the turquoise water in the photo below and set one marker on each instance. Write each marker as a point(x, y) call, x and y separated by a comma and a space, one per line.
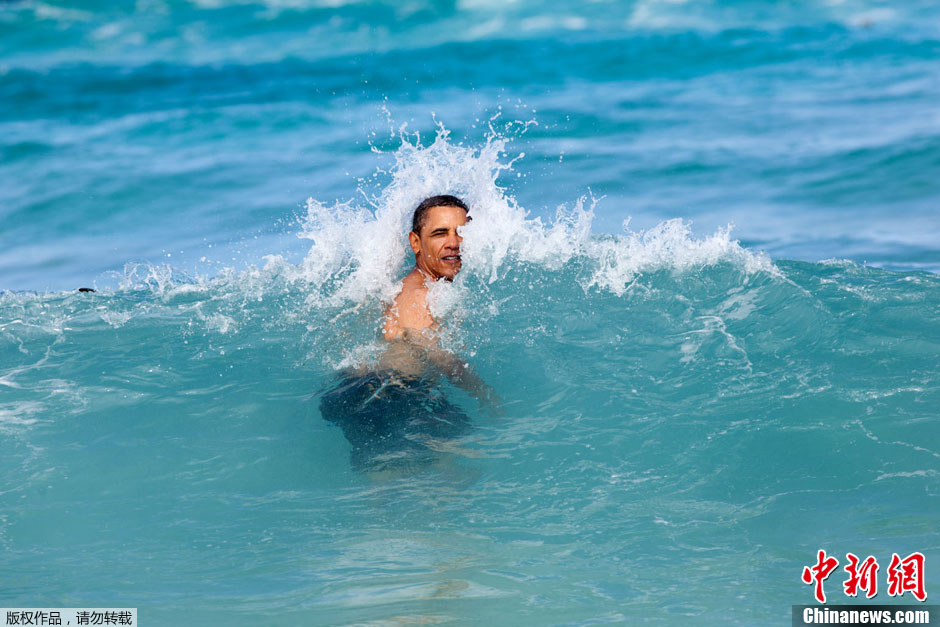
point(689, 410)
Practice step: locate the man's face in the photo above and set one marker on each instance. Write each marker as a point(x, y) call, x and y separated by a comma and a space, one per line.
point(437, 247)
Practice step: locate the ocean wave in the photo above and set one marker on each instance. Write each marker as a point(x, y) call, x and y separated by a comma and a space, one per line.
point(530, 269)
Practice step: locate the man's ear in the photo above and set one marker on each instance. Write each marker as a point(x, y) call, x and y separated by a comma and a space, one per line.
point(415, 242)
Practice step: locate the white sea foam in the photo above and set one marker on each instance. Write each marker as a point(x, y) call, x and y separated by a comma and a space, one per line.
point(358, 250)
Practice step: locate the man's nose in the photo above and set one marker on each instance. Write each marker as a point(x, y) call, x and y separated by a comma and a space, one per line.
point(453, 241)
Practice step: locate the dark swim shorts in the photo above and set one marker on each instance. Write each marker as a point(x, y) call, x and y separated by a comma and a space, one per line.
point(389, 420)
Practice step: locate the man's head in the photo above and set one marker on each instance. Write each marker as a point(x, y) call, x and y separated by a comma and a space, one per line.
point(434, 237)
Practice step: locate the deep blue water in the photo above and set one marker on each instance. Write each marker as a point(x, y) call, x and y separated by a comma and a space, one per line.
point(701, 276)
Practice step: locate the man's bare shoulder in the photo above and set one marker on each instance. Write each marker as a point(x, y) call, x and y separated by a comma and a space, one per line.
point(410, 308)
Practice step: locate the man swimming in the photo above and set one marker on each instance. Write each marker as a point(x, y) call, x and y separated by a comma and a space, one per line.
point(396, 414)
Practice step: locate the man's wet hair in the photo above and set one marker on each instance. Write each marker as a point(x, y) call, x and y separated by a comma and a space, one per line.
point(417, 221)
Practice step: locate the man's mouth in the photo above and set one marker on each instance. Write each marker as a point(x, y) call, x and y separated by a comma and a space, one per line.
point(451, 258)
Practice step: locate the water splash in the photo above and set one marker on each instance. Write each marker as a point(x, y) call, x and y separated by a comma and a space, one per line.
point(358, 252)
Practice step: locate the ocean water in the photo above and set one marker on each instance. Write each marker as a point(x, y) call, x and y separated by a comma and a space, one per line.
point(701, 277)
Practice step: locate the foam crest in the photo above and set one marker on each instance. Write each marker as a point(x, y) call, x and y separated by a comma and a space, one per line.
point(670, 245)
point(359, 252)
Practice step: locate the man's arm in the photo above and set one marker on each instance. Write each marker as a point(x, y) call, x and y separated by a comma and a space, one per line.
point(457, 370)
